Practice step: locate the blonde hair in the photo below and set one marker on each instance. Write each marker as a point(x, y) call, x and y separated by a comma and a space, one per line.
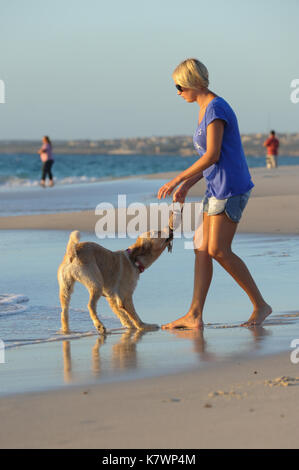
point(191, 73)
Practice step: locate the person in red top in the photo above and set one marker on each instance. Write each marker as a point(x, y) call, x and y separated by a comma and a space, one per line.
point(272, 144)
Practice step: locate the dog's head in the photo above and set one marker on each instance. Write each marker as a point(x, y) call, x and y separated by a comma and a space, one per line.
point(150, 245)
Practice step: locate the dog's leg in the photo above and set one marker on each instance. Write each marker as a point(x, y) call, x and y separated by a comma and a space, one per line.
point(120, 312)
point(129, 309)
point(65, 292)
point(92, 279)
point(95, 293)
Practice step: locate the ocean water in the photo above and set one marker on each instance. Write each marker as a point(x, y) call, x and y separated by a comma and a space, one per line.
point(23, 170)
point(38, 356)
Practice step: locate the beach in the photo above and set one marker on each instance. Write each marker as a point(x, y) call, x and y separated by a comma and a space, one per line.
point(241, 396)
point(103, 104)
point(237, 406)
point(276, 192)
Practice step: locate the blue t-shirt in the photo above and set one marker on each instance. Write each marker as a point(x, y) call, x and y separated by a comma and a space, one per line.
point(230, 175)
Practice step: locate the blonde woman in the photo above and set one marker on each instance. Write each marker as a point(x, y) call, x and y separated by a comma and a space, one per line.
point(223, 165)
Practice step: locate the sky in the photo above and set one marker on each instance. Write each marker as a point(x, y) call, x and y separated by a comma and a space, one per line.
point(98, 69)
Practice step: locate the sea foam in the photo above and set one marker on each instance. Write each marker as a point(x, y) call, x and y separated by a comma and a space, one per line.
point(12, 304)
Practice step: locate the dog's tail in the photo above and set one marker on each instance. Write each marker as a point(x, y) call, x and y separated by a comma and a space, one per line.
point(71, 246)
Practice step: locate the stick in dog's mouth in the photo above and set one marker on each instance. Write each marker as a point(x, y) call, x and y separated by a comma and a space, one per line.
point(174, 222)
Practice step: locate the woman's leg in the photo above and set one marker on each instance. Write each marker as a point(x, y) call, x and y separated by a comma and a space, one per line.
point(43, 178)
point(50, 172)
point(50, 163)
point(203, 272)
point(221, 234)
point(45, 170)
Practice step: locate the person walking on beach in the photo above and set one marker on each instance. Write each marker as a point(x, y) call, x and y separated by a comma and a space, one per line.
point(272, 144)
point(47, 158)
point(223, 164)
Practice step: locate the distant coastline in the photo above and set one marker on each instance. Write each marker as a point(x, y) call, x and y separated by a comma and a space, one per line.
point(172, 145)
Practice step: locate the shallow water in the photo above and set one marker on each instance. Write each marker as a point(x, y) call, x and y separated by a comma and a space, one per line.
point(39, 357)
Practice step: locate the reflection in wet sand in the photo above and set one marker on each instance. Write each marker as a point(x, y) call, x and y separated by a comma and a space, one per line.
point(123, 356)
point(67, 364)
point(95, 355)
point(200, 345)
point(121, 353)
point(258, 334)
point(124, 353)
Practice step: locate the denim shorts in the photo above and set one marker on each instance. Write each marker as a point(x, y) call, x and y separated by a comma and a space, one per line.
point(232, 206)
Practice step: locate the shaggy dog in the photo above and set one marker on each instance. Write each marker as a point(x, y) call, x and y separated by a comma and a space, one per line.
point(111, 274)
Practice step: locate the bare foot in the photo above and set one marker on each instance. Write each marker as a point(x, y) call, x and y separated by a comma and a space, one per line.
point(187, 321)
point(258, 316)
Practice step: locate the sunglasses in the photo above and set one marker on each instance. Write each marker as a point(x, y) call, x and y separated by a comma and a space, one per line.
point(178, 87)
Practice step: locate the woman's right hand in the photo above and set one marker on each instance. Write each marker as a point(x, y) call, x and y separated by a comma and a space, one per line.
point(180, 194)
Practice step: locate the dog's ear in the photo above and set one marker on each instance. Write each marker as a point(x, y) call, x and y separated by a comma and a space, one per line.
point(140, 250)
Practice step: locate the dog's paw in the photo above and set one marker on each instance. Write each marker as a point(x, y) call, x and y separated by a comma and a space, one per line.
point(101, 329)
point(64, 331)
point(148, 327)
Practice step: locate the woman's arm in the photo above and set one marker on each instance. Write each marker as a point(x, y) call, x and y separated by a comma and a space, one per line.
point(181, 192)
point(188, 183)
point(214, 141)
point(42, 149)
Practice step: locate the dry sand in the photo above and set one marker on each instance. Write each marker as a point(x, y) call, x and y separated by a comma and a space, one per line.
point(237, 405)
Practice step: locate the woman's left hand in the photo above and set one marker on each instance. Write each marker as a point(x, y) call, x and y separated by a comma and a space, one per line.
point(167, 189)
